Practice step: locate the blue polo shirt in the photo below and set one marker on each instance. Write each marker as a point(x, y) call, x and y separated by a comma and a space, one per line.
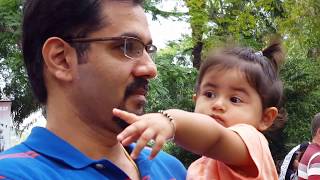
point(46, 156)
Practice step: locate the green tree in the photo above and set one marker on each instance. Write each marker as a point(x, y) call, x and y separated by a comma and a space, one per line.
point(11, 64)
point(198, 20)
point(151, 7)
point(301, 27)
point(215, 22)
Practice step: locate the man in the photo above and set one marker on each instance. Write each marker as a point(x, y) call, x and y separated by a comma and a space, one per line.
point(309, 166)
point(84, 58)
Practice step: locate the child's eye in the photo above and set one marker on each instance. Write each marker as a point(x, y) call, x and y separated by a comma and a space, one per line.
point(210, 94)
point(235, 100)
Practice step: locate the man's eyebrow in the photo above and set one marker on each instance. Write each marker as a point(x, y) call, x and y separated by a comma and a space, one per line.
point(130, 34)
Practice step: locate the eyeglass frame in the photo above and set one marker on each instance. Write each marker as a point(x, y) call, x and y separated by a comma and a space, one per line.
point(124, 49)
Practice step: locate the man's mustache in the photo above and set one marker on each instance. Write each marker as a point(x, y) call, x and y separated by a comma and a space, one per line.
point(138, 83)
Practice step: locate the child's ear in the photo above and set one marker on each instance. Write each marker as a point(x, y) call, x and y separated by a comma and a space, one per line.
point(269, 115)
point(194, 97)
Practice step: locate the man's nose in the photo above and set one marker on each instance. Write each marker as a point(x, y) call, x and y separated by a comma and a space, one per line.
point(145, 67)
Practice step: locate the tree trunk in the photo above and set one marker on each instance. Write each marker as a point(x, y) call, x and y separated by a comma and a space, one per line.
point(196, 53)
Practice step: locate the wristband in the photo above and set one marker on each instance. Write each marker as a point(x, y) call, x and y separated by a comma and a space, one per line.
point(170, 118)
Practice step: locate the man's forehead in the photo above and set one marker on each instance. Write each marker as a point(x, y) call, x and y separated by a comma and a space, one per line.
point(124, 19)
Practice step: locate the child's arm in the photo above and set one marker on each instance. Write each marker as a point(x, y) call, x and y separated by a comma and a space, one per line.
point(203, 135)
point(195, 132)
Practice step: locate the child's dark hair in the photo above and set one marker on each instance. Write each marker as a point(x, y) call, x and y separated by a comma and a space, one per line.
point(260, 68)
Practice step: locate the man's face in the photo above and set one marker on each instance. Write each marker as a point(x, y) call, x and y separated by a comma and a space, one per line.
point(108, 78)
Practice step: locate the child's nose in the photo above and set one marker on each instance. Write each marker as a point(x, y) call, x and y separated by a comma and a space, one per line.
point(218, 105)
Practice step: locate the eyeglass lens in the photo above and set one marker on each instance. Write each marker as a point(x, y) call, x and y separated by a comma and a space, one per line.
point(133, 48)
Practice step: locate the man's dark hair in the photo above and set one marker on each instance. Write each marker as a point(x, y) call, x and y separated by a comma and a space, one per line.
point(315, 124)
point(65, 19)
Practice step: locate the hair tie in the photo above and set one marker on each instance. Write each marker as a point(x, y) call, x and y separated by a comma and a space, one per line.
point(259, 53)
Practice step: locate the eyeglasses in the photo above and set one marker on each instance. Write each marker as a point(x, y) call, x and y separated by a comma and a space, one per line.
point(132, 47)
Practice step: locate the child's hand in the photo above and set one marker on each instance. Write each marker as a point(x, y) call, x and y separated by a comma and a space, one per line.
point(145, 128)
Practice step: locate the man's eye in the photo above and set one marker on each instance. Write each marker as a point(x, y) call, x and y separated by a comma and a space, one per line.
point(210, 94)
point(118, 46)
point(134, 48)
point(235, 100)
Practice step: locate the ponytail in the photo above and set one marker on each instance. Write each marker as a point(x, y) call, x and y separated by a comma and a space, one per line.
point(275, 53)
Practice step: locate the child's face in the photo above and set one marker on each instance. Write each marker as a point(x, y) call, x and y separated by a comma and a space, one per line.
point(226, 96)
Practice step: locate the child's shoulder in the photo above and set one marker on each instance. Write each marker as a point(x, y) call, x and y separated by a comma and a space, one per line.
point(244, 127)
point(250, 135)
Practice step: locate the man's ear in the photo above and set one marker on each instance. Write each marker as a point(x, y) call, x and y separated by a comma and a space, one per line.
point(194, 98)
point(268, 116)
point(60, 59)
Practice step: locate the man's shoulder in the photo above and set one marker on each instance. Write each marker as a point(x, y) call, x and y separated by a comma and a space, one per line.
point(310, 151)
point(315, 158)
point(163, 166)
point(19, 162)
point(14, 154)
point(309, 164)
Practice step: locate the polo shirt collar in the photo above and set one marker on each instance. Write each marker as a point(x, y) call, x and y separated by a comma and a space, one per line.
point(47, 143)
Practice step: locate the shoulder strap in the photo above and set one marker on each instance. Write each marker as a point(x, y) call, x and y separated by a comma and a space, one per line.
point(286, 162)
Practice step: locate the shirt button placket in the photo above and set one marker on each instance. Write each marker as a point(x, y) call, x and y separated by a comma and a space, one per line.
point(99, 166)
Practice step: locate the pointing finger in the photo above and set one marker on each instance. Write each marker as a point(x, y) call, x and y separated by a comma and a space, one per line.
point(124, 115)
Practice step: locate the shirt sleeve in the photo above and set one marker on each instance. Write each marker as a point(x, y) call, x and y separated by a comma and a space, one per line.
point(314, 168)
point(258, 148)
